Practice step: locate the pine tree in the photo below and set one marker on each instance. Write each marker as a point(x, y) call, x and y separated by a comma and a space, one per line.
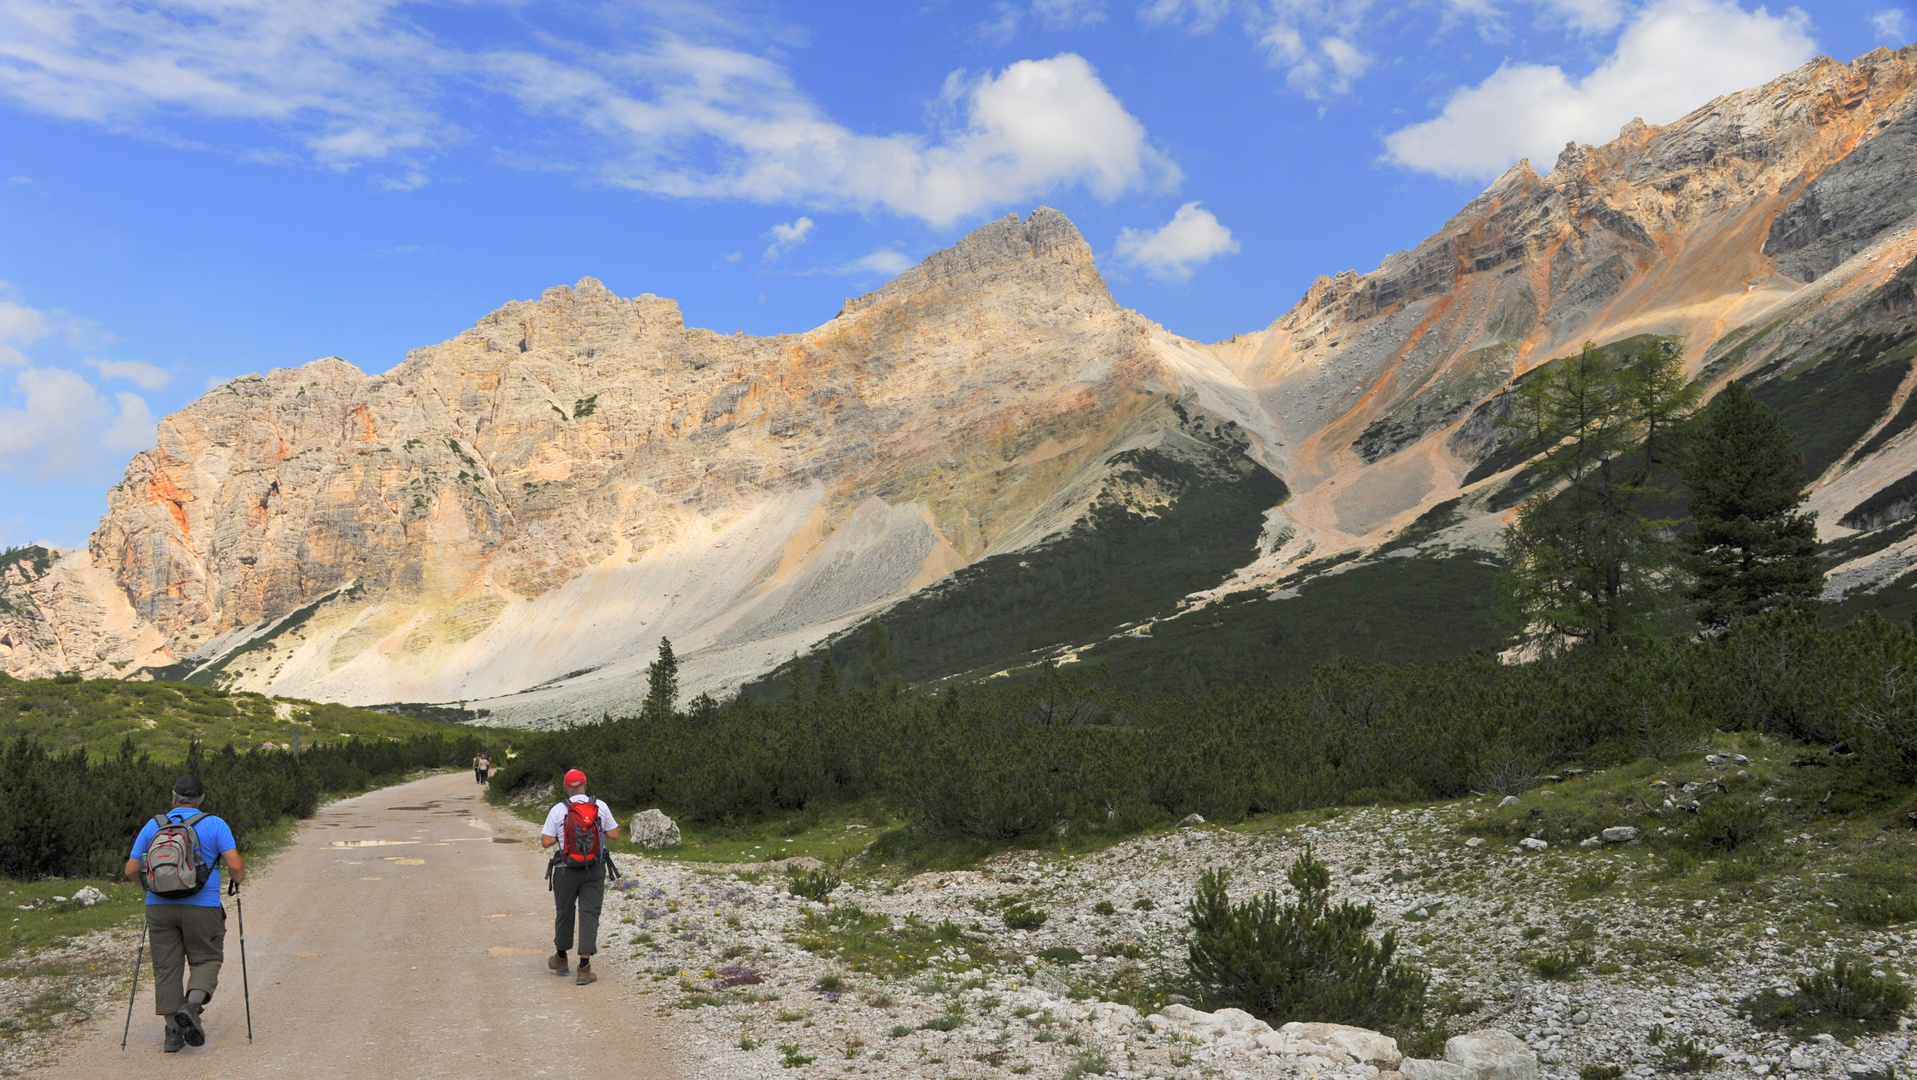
point(877, 674)
point(1753, 550)
point(662, 684)
point(828, 685)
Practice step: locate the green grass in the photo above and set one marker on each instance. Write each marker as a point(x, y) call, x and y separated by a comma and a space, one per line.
point(163, 718)
point(1830, 400)
point(50, 925)
point(874, 943)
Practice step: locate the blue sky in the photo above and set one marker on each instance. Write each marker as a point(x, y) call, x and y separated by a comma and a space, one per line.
point(192, 190)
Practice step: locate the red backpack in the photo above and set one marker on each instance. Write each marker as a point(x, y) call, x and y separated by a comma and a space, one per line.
point(580, 837)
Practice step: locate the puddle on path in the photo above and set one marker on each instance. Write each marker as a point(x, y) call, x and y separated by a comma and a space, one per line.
point(505, 840)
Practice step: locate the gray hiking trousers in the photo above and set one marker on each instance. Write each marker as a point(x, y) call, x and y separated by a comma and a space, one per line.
point(183, 935)
point(582, 891)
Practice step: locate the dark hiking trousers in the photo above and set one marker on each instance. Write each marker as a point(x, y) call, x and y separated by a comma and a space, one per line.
point(582, 891)
point(184, 935)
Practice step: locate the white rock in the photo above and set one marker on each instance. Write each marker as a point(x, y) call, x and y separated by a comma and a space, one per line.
point(1590, 841)
point(1492, 1055)
point(1191, 820)
point(1238, 1020)
point(1532, 843)
point(89, 896)
point(1620, 834)
point(1475, 841)
point(1508, 800)
point(1421, 1069)
point(653, 829)
point(1360, 1044)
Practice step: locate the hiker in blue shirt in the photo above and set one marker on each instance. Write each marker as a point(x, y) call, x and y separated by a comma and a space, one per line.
point(187, 927)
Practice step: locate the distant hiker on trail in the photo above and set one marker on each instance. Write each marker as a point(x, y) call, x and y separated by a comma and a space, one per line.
point(176, 857)
point(578, 871)
point(481, 766)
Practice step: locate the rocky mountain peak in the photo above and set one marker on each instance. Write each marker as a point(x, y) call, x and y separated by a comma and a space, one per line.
point(1043, 259)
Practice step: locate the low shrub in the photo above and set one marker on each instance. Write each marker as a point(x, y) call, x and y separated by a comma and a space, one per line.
point(812, 884)
point(1562, 964)
point(1730, 823)
point(1304, 960)
point(1843, 999)
point(1882, 911)
point(1022, 916)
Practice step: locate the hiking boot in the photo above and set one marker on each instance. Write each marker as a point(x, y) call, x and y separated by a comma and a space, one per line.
point(557, 962)
point(175, 1041)
point(187, 1020)
point(585, 975)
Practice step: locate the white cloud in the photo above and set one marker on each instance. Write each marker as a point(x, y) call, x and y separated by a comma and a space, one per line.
point(1192, 237)
point(884, 261)
point(1192, 16)
point(1050, 14)
point(1587, 15)
point(352, 82)
point(137, 372)
point(714, 123)
point(1069, 14)
point(786, 237)
point(63, 425)
point(1891, 24)
point(350, 79)
point(1673, 57)
point(134, 427)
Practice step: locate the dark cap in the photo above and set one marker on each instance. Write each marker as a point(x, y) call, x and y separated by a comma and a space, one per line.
point(189, 787)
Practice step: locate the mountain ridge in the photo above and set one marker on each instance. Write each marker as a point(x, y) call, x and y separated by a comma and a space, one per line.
point(516, 514)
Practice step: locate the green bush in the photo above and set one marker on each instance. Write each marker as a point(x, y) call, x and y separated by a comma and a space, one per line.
point(1882, 911)
point(812, 883)
point(1024, 917)
point(1730, 823)
point(1843, 999)
point(1561, 964)
point(1600, 1072)
point(1304, 960)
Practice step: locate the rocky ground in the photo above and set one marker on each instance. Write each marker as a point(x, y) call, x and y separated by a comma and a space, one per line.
point(921, 976)
point(45, 998)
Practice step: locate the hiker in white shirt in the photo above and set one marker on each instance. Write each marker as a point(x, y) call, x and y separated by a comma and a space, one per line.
point(579, 828)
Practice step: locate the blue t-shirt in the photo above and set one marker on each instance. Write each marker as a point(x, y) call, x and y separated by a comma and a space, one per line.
point(215, 840)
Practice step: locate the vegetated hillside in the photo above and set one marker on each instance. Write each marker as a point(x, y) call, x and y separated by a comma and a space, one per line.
point(164, 718)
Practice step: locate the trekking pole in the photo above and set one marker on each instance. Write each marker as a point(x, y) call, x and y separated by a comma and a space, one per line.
point(138, 959)
point(246, 992)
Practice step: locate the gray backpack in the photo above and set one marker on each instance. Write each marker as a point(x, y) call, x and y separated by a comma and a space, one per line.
point(174, 868)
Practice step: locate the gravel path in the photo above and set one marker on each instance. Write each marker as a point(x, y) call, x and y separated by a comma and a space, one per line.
point(404, 933)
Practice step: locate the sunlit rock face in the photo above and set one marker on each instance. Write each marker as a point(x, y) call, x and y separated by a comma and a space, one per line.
point(514, 517)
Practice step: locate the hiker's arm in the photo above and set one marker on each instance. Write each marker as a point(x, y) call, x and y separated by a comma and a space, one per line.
point(235, 866)
point(613, 833)
point(547, 841)
point(133, 869)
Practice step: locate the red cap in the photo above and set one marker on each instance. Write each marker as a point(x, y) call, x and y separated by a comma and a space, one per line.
point(574, 778)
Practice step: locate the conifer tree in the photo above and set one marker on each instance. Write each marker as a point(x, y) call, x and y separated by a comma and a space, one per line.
point(828, 685)
point(877, 674)
point(662, 684)
point(1753, 550)
point(1588, 561)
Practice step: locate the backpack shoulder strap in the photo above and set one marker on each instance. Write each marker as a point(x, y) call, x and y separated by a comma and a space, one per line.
point(161, 821)
point(196, 819)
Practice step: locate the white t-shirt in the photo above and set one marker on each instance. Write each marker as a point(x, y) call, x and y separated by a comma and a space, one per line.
point(556, 820)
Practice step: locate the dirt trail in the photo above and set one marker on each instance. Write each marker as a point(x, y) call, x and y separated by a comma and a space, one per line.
point(397, 936)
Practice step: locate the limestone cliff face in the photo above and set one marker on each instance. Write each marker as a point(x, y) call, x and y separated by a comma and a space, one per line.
point(516, 515)
point(1371, 379)
point(547, 494)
